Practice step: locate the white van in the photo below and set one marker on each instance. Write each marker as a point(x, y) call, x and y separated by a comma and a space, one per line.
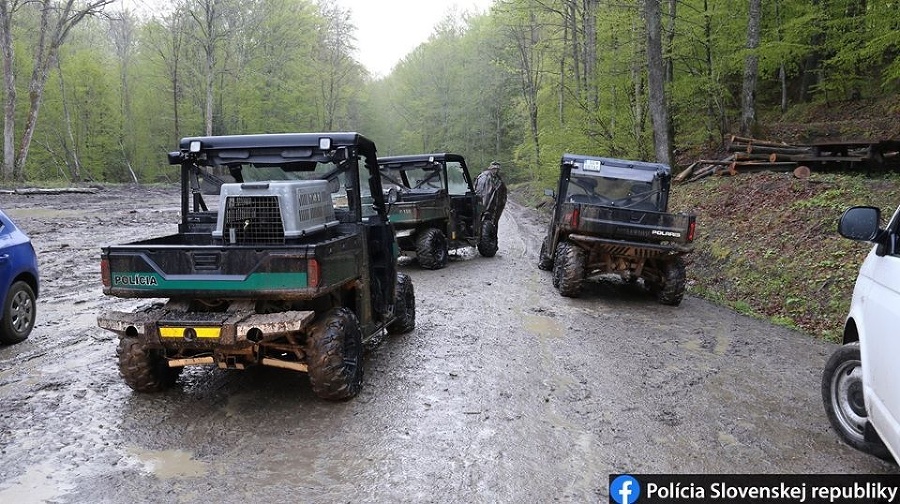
point(861, 381)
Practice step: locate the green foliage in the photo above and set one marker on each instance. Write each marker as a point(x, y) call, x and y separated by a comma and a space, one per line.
point(522, 84)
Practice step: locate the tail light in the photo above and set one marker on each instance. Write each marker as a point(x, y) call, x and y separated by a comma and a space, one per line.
point(104, 272)
point(692, 228)
point(574, 217)
point(313, 274)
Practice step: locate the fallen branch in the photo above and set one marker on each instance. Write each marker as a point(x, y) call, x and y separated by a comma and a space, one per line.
point(61, 190)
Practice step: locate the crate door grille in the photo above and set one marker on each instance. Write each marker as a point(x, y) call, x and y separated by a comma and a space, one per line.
point(253, 220)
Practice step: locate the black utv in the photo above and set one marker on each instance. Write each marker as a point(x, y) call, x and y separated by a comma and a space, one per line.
point(610, 217)
point(434, 208)
point(291, 265)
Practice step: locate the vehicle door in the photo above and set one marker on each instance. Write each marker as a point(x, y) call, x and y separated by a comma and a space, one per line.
point(464, 203)
point(382, 246)
point(880, 337)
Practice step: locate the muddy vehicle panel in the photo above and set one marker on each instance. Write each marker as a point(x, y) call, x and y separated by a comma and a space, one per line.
point(610, 217)
point(295, 268)
point(434, 208)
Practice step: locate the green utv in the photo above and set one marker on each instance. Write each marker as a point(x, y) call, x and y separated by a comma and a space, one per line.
point(433, 207)
point(294, 267)
point(610, 217)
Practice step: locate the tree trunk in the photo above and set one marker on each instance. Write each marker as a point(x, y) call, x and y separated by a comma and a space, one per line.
point(71, 155)
point(576, 48)
point(526, 38)
point(782, 71)
point(656, 72)
point(751, 65)
point(44, 56)
point(590, 52)
point(210, 66)
point(670, 41)
point(638, 81)
point(56, 20)
point(208, 21)
point(9, 86)
point(123, 29)
point(812, 64)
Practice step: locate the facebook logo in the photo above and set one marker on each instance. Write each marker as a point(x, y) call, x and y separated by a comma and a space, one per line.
point(624, 489)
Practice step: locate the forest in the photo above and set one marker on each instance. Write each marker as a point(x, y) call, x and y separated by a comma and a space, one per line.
point(94, 92)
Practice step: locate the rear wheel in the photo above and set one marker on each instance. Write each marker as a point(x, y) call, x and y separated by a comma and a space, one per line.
point(545, 262)
point(842, 394)
point(334, 352)
point(431, 249)
point(487, 241)
point(568, 270)
point(404, 306)
point(671, 292)
point(18, 313)
point(145, 369)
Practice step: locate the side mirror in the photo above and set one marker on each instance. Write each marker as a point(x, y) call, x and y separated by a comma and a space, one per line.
point(340, 155)
point(860, 223)
point(393, 195)
point(175, 158)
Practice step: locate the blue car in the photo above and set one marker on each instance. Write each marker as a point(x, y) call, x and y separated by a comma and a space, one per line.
point(18, 282)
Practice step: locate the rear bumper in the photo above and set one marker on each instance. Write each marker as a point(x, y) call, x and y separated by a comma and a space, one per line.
point(629, 248)
point(172, 328)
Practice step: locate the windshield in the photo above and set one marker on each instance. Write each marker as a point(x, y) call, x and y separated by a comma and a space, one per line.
point(340, 177)
point(426, 176)
point(612, 191)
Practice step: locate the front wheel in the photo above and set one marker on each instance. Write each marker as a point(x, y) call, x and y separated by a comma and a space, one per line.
point(431, 249)
point(334, 353)
point(404, 306)
point(842, 394)
point(487, 241)
point(18, 313)
point(145, 369)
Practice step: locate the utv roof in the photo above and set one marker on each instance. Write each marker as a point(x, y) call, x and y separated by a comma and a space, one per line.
point(309, 140)
point(595, 165)
point(396, 161)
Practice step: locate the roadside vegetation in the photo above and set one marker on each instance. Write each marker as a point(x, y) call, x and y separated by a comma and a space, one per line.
point(768, 246)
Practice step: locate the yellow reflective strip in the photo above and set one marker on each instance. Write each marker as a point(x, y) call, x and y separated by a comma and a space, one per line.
point(178, 332)
point(171, 332)
point(208, 332)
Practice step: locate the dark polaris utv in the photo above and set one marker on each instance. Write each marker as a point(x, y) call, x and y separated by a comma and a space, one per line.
point(434, 208)
point(295, 268)
point(610, 218)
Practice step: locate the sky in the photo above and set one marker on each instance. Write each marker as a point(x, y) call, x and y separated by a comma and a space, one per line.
point(388, 30)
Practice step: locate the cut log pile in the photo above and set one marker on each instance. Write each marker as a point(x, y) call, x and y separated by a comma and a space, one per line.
point(750, 155)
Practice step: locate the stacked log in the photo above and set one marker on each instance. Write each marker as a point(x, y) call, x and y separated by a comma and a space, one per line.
point(754, 146)
point(751, 155)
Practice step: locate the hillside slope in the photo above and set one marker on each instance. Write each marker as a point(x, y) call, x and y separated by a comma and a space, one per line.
point(767, 243)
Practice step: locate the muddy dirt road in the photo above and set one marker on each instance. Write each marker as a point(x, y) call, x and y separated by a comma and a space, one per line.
point(504, 392)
